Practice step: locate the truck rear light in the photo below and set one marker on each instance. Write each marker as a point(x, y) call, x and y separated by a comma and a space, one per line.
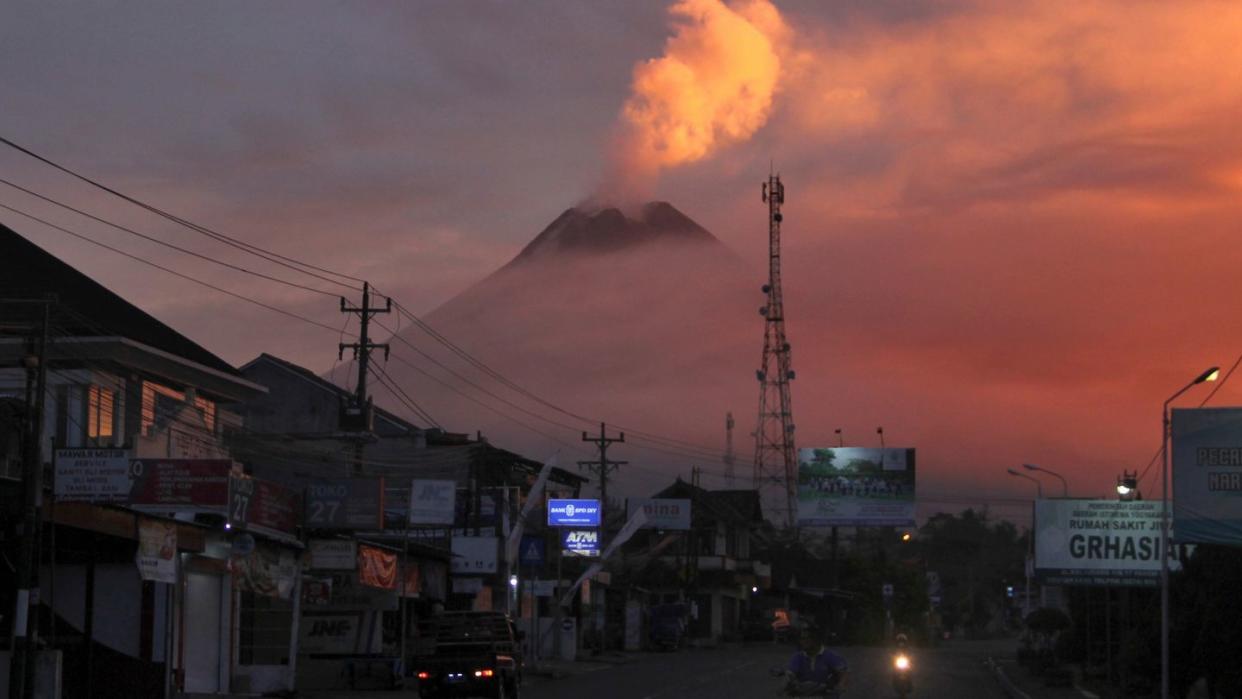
point(484, 673)
point(424, 675)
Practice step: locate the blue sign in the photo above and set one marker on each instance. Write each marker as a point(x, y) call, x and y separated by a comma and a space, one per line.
point(530, 553)
point(580, 542)
point(573, 513)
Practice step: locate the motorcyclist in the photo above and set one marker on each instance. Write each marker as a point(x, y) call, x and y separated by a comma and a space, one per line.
point(814, 669)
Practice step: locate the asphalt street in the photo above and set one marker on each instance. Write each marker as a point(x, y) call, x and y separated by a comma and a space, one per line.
point(954, 670)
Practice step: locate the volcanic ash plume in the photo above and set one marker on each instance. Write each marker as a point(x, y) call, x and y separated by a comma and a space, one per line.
point(713, 85)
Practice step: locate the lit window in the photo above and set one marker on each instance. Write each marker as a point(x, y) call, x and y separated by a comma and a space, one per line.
point(100, 410)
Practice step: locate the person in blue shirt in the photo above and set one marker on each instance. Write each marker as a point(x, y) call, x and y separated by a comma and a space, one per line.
point(814, 669)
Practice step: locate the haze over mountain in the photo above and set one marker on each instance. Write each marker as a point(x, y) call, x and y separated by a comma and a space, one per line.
point(641, 318)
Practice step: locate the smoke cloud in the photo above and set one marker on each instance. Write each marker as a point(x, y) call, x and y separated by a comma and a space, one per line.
point(713, 86)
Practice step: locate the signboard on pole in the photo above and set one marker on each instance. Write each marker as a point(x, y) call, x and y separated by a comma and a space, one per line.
point(856, 486)
point(333, 554)
point(157, 550)
point(433, 502)
point(345, 503)
point(580, 542)
point(662, 513)
point(574, 513)
point(262, 505)
point(180, 485)
point(1098, 542)
point(92, 475)
point(1207, 475)
point(532, 551)
point(474, 555)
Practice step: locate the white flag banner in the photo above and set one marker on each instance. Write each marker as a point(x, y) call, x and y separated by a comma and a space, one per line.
point(634, 524)
point(532, 501)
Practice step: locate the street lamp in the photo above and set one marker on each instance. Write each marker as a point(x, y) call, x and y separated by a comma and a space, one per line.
point(1127, 486)
point(880, 431)
point(1030, 558)
point(1064, 485)
point(840, 438)
point(1209, 375)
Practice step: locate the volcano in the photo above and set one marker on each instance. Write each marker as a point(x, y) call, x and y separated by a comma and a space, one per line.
point(642, 318)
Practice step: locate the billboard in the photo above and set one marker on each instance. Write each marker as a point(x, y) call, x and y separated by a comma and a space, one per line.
point(433, 502)
point(180, 484)
point(661, 513)
point(92, 475)
point(573, 513)
point(856, 486)
point(474, 555)
point(345, 503)
point(262, 506)
point(580, 542)
point(1207, 475)
point(1098, 542)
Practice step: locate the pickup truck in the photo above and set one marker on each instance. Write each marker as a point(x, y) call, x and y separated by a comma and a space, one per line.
point(468, 654)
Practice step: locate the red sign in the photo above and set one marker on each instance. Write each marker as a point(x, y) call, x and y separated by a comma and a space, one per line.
point(412, 580)
point(259, 503)
point(180, 484)
point(377, 567)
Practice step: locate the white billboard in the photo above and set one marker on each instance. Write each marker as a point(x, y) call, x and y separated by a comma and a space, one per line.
point(1207, 475)
point(662, 513)
point(433, 502)
point(92, 475)
point(856, 486)
point(474, 555)
point(1098, 542)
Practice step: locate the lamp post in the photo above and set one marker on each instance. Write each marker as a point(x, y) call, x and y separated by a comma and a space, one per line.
point(1209, 375)
point(1127, 486)
point(1030, 557)
point(840, 438)
point(880, 431)
point(1064, 485)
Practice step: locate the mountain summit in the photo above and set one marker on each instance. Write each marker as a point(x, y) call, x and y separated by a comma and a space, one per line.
point(586, 230)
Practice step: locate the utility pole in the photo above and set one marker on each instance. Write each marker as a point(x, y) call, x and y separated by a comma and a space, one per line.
point(728, 457)
point(23, 664)
point(603, 467)
point(361, 404)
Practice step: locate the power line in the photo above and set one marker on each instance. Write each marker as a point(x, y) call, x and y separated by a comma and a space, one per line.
point(239, 244)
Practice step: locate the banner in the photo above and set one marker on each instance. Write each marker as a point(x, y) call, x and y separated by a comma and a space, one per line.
point(92, 475)
point(473, 555)
point(157, 550)
point(856, 486)
point(632, 525)
point(433, 502)
point(1098, 542)
point(268, 570)
point(345, 503)
point(377, 567)
point(533, 498)
point(180, 485)
point(574, 513)
point(661, 513)
point(1207, 475)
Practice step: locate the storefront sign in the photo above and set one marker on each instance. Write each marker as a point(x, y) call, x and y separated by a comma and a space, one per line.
point(349, 633)
point(433, 502)
point(377, 567)
point(182, 485)
point(333, 554)
point(474, 554)
point(467, 586)
point(1207, 475)
point(264, 505)
point(1098, 542)
point(316, 592)
point(157, 550)
point(92, 475)
point(345, 503)
point(573, 513)
point(662, 513)
point(580, 542)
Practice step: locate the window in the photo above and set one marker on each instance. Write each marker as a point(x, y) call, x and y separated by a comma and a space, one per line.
point(160, 405)
point(100, 415)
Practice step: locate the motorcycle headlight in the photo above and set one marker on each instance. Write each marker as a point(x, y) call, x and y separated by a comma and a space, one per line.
point(902, 663)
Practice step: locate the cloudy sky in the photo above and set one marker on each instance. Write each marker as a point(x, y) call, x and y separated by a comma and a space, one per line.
point(1011, 227)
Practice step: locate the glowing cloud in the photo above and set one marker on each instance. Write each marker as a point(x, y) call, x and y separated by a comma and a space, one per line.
point(713, 86)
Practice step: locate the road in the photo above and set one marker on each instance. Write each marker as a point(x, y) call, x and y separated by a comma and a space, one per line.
point(953, 670)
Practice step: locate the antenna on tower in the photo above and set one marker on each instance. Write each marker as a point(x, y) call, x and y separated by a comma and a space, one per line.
point(776, 459)
point(728, 456)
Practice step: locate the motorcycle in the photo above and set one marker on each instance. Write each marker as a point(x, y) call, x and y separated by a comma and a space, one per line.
point(902, 683)
point(792, 688)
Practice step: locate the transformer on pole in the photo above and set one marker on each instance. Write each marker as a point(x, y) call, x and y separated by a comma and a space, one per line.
point(776, 458)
